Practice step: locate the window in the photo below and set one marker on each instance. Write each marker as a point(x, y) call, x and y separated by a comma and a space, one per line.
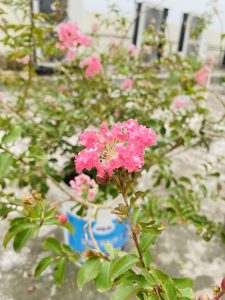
point(147, 15)
point(191, 35)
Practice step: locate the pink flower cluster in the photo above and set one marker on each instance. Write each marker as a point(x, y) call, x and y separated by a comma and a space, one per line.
point(201, 77)
point(71, 54)
point(211, 60)
point(69, 36)
point(148, 84)
point(95, 27)
point(127, 84)
point(178, 103)
point(24, 60)
point(2, 96)
point(83, 184)
point(121, 146)
point(93, 66)
point(133, 50)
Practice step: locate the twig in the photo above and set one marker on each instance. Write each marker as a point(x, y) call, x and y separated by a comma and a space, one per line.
point(123, 192)
point(47, 176)
point(95, 244)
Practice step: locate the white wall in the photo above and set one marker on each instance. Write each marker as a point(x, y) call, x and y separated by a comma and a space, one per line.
point(75, 7)
point(176, 7)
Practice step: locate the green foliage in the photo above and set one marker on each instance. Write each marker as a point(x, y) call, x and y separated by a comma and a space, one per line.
point(47, 114)
point(88, 271)
point(62, 255)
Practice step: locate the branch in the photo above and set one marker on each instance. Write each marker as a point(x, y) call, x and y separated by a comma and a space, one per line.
point(123, 192)
point(56, 183)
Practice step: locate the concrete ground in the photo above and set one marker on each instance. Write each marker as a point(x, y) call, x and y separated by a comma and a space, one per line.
point(178, 251)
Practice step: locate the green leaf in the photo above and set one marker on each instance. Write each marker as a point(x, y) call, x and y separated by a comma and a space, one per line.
point(17, 228)
point(51, 221)
point(22, 237)
point(167, 284)
point(123, 264)
point(203, 189)
point(66, 249)
point(184, 285)
point(216, 174)
point(185, 179)
point(146, 240)
point(110, 250)
point(6, 160)
point(68, 226)
point(137, 279)
point(14, 134)
point(4, 210)
point(59, 271)
point(88, 271)
point(19, 220)
point(103, 280)
point(125, 292)
point(43, 264)
point(147, 257)
point(53, 245)
point(73, 258)
point(136, 214)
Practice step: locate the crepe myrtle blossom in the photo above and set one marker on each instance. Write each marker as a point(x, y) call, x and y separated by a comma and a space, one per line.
point(93, 66)
point(127, 84)
point(95, 27)
point(117, 114)
point(146, 48)
point(201, 77)
point(69, 35)
point(83, 184)
point(211, 60)
point(24, 60)
point(148, 84)
point(2, 96)
point(71, 55)
point(133, 50)
point(178, 103)
point(120, 146)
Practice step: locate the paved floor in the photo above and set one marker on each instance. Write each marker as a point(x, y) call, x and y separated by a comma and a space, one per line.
point(178, 251)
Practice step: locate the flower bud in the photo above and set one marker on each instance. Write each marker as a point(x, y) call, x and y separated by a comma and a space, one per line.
point(216, 290)
point(203, 297)
point(36, 196)
point(62, 218)
point(102, 179)
point(223, 284)
point(28, 201)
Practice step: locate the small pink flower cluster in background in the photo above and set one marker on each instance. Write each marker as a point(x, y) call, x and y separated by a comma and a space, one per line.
point(127, 84)
point(95, 27)
point(93, 64)
point(147, 48)
point(202, 76)
point(133, 50)
point(2, 96)
point(211, 60)
point(121, 146)
point(69, 36)
point(148, 84)
point(71, 54)
point(83, 184)
point(24, 60)
point(178, 103)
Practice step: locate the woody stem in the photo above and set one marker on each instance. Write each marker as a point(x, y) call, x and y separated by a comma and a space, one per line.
point(134, 235)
